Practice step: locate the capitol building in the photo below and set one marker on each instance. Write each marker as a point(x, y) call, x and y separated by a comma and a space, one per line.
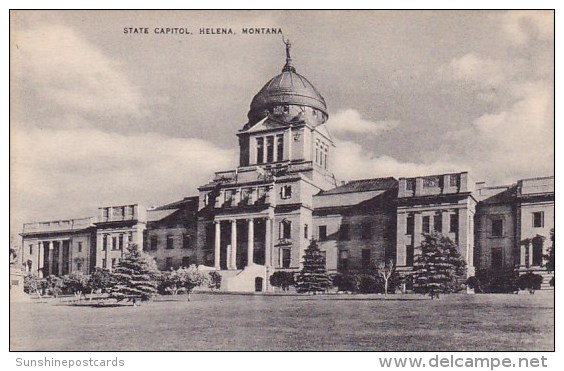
point(259, 218)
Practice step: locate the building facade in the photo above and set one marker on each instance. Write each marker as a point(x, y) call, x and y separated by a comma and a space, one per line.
point(258, 218)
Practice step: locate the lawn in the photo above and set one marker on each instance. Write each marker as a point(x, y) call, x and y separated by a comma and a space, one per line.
point(274, 323)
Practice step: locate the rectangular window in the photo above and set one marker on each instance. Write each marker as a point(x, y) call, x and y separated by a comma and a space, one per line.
point(366, 257)
point(279, 147)
point(431, 182)
point(453, 180)
point(538, 219)
point(438, 222)
point(326, 158)
point(121, 241)
point(260, 150)
point(409, 255)
point(306, 232)
point(168, 263)
point(113, 263)
point(285, 229)
point(104, 243)
point(344, 232)
point(343, 260)
point(130, 237)
point(426, 224)
point(185, 241)
point(497, 228)
point(410, 227)
point(286, 192)
point(286, 258)
point(269, 149)
point(154, 242)
point(186, 261)
point(169, 242)
point(322, 232)
point(366, 232)
point(410, 184)
point(79, 266)
point(114, 243)
point(104, 263)
point(454, 223)
point(497, 257)
point(30, 249)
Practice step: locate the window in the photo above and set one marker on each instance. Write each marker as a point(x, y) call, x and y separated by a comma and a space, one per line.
point(538, 219)
point(79, 266)
point(279, 147)
point(326, 155)
point(409, 255)
point(410, 184)
point(453, 180)
point(343, 260)
point(366, 257)
point(80, 247)
point(431, 182)
point(322, 232)
point(454, 223)
point(121, 241)
point(285, 229)
point(169, 242)
point(321, 146)
point(130, 237)
point(497, 257)
point(104, 265)
point(438, 222)
point(306, 234)
point(114, 243)
point(366, 231)
point(186, 261)
point(104, 243)
point(410, 227)
point(286, 258)
point(168, 263)
point(260, 150)
point(185, 241)
point(113, 263)
point(426, 224)
point(286, 191)
point(30, 249)
point(246, 196)
point(269, 149)
point(344, 234)
point(497, 228)
point(154, 242)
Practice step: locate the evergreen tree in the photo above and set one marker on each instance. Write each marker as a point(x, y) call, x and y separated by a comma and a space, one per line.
point(135, 276)
point(313, 277)
point(439, 268)
point(549, 257)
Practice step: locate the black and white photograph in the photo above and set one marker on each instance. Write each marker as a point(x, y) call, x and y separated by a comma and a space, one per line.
point(282, 180)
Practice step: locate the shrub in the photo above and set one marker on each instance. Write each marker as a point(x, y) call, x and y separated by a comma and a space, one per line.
point(282, 279)
point(530, 281)
point(346, 282)
point(497, 280)
point(214, 280)
point(474, 283)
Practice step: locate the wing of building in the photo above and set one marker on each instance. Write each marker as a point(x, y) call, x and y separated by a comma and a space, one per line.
point(258, 218)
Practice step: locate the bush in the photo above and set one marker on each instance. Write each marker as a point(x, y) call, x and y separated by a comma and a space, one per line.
point(215, 280)
point(369, 284)
point(282, 279)
point(498, 281)
point(474, 283)
point(551, 283)
point(530, 281)
point(346, 282)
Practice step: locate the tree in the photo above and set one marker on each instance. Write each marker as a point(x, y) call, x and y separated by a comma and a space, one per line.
point(190, 278)
point(215, 280)
point(313, 277)
point(171, 282)
point(32, 283)
point(439, 267)
point(282, 279)
point(386, 271)
point(549, 256)
point(530, 281)
point(135, 277)
point(76, 282)
point(54, 285)
point(100, 280)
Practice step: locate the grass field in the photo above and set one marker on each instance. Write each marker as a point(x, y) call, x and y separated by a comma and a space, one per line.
point(248, 322)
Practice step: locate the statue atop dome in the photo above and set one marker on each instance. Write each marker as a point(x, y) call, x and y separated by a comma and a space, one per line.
point(289, 65)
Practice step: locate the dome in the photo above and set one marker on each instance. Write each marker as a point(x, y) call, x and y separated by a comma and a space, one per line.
point(287, 88)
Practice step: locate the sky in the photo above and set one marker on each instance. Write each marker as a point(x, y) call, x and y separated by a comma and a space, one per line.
point(100, 117)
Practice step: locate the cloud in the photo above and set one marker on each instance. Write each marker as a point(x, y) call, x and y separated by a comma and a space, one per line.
point(350, 121)
point(69, 173)
point(520, 27)
point(477, 69)
point(353, 161)
point(71, 74)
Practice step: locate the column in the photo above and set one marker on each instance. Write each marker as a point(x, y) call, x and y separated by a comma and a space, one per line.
point(233, 244)
point(251, 242)
point(60, 257)
point(417, 232)
point(108, 248)
point(70, 256)
point(400, 240)
point(522, 261)
point(51, 249)
point(217, 244)
point(267, 242)
point(41, 260)
point(446, 222)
